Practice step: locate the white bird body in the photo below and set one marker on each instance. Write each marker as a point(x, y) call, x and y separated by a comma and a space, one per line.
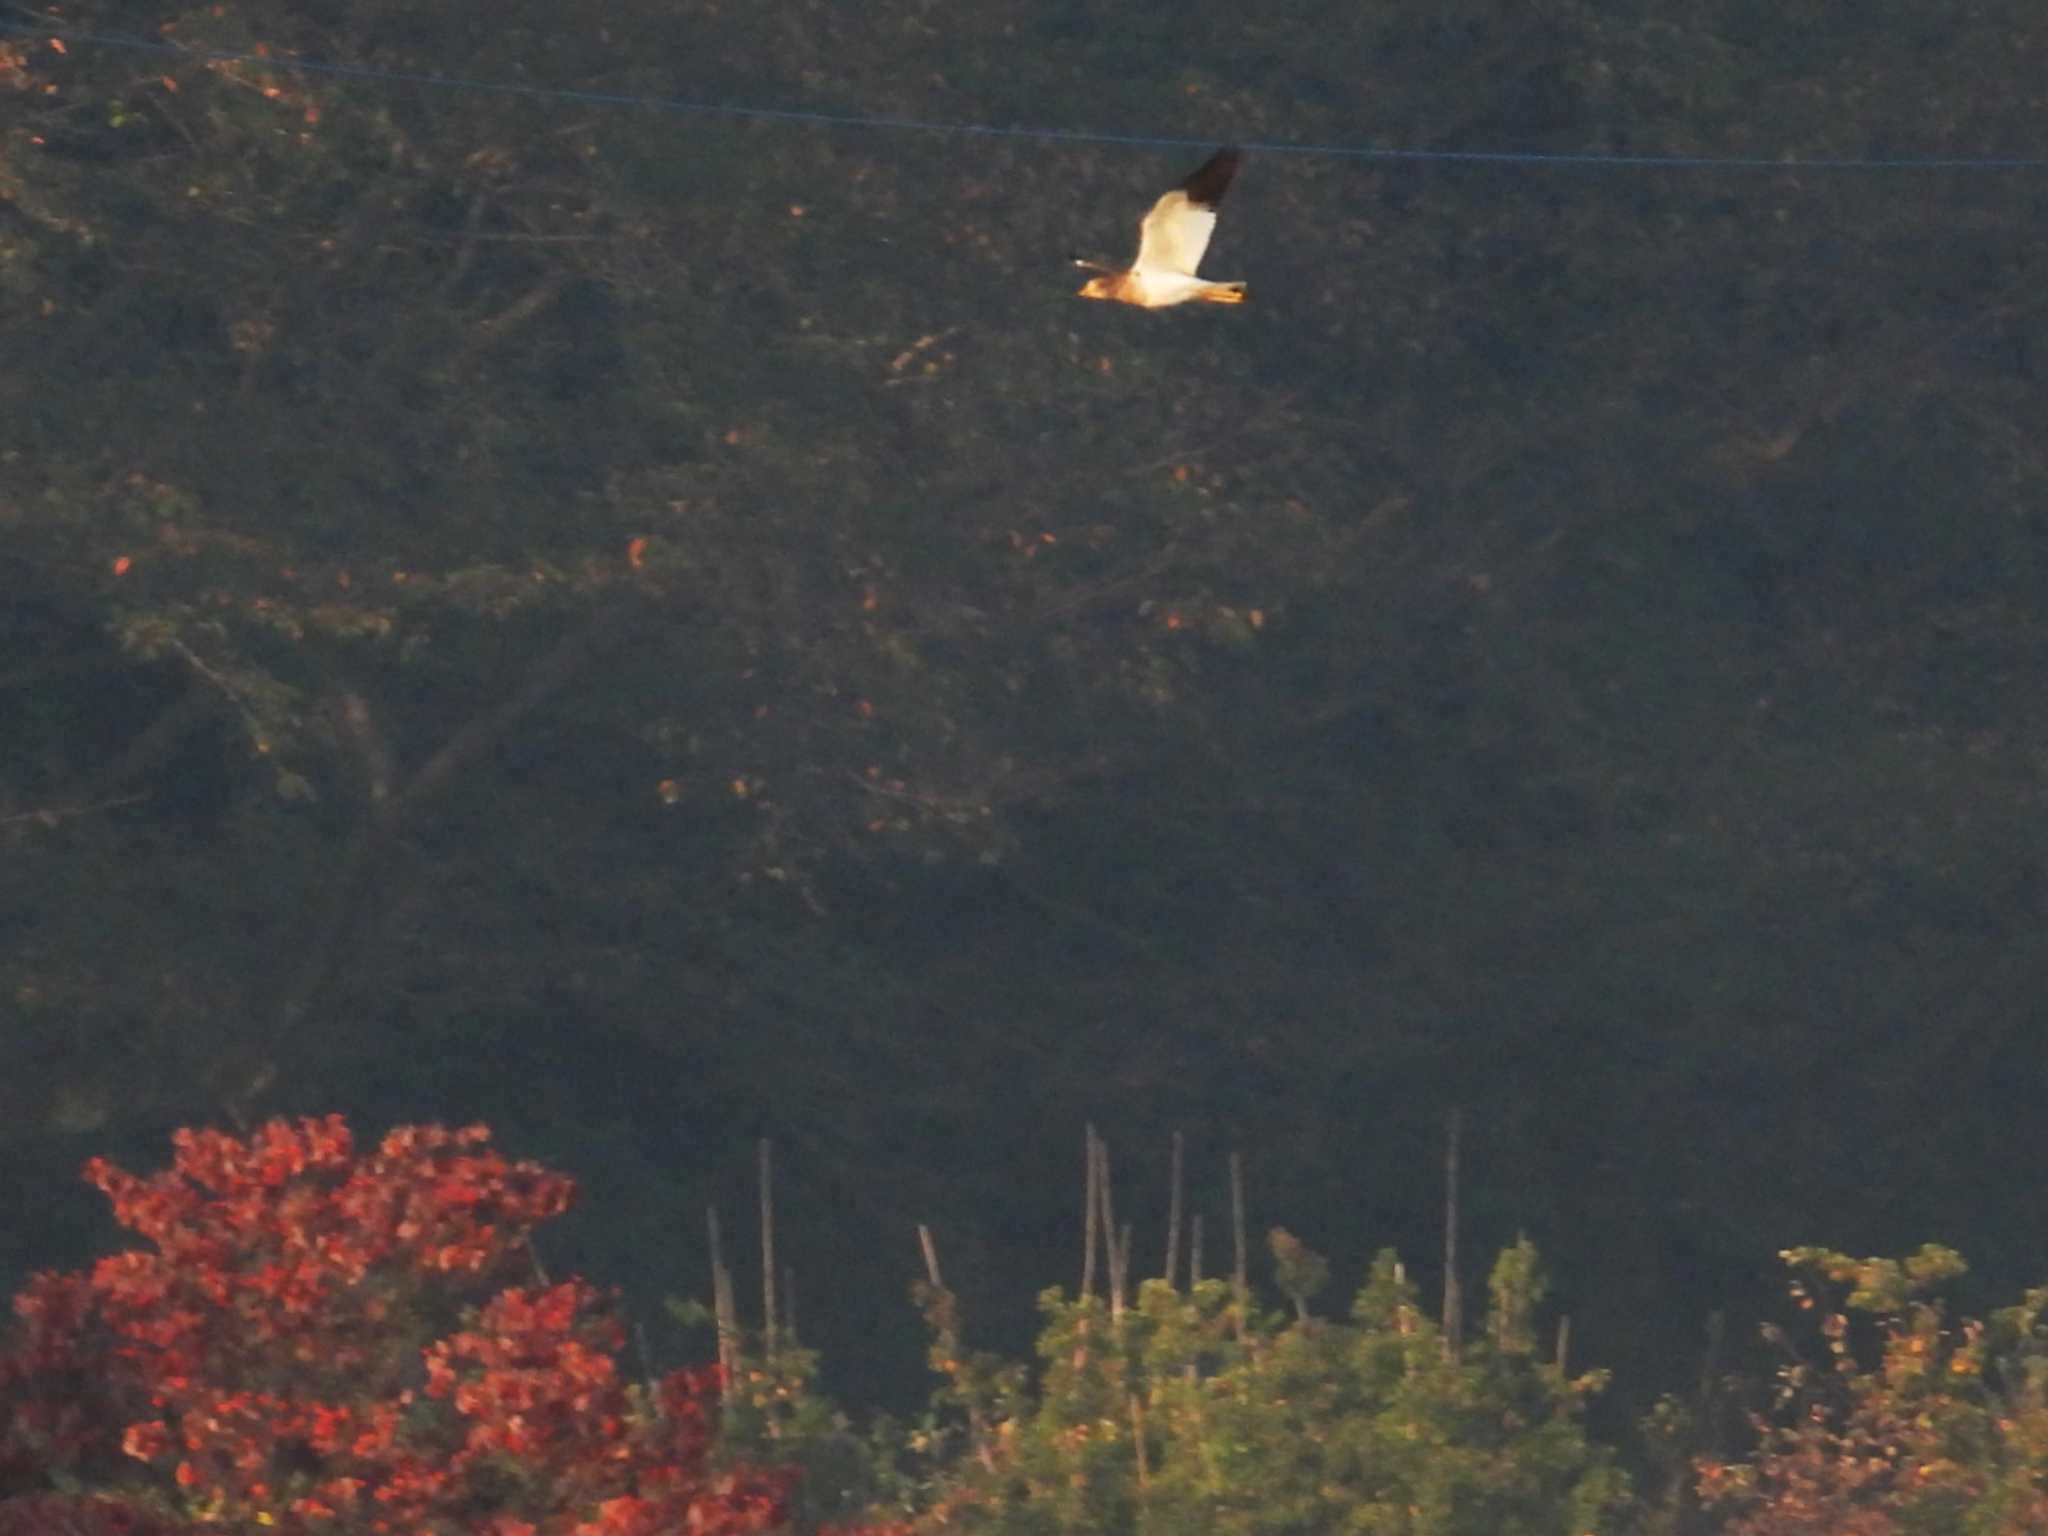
point(1171, 241)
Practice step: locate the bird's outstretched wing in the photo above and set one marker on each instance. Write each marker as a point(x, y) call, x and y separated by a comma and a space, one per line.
point(1176, 232)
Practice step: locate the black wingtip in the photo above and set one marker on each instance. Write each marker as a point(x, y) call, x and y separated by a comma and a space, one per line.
point(1206, 187)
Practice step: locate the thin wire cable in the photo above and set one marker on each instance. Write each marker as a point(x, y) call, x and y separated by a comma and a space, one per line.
point(1593, 158)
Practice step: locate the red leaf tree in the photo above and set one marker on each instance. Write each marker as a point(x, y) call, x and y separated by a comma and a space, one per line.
point(320, 1340)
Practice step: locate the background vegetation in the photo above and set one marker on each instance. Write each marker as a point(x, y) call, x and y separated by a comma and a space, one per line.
point(650, 628)
point(318, 1338)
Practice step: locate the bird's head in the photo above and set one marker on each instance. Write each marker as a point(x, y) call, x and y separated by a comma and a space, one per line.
point(1100, 286)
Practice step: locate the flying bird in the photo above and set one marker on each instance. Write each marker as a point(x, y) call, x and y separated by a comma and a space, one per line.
point(1171, 241)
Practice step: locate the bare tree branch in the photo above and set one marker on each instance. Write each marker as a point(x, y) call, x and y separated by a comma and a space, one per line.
point(50, 815)
point(346, 915)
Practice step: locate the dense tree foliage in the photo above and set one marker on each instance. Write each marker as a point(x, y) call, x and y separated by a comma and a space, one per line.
point(1183, 1413)
point(313, 1339)
point(1942, 1425)
point(503, 587)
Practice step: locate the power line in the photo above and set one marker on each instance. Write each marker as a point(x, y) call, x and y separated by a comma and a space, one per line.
point(1046, 135)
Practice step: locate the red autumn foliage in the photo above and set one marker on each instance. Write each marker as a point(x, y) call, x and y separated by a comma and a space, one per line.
point(321, 1341)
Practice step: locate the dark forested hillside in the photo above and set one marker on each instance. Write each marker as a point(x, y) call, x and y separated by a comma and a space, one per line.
point(654, 628)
